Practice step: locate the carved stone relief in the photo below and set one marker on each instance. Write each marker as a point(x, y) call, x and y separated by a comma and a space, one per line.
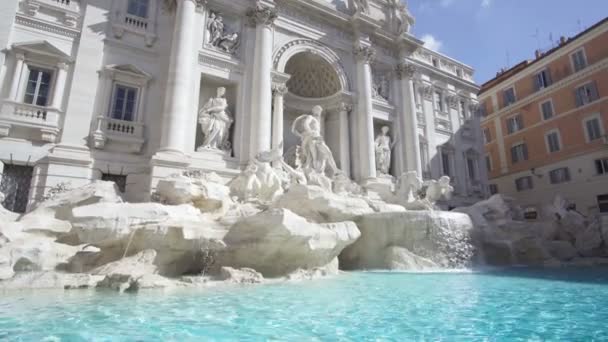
point(221, 34)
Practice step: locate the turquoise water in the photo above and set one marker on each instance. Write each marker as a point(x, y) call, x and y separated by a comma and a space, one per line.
point(524, 304)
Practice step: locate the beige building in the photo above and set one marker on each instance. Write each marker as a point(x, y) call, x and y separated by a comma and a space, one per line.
point(545, 123)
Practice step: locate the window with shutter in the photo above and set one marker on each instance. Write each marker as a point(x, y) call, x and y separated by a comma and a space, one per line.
point(601, 166)
point(579, 61)
point(594, 130)
point(547, 109)
point(542, 79)
point(524, 183)
point(560, 175)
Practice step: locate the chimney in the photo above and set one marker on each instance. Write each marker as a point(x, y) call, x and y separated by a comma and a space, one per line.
point(562, 40)
point(538, 53)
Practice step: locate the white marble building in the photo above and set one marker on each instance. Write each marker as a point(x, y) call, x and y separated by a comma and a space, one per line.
point(112, 89)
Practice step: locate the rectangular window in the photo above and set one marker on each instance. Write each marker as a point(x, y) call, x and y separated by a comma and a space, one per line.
point(601, 166)
point(553, 144)
point(509, 96)
point(515, 123)
point(471, 168)
point(560, 175)
point(579, 61)
point(493, 189)
point(594, 130)
point(586, 94)
point(488, 163)
point(542, 79)
point(124, 103)
point(138, 8)
point(445, 163)
point(438, 101)
point(602, 203)
point(547, 109)
point(38, 86)
point(519, 153)
point(487, 135)
point(524, 183)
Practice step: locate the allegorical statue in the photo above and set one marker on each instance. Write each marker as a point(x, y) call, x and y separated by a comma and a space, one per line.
point(218, 35)
point(401, 18)
point(215, 122)
point(437, 189)
point(383, 147)
point(215, 27)
point(315, 153)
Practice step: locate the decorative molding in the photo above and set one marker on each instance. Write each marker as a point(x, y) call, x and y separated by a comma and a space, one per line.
point(365, 54)
point(262, 15)
point(280, 88)
point(170, 5)
point(405, 70)
point(46, 26)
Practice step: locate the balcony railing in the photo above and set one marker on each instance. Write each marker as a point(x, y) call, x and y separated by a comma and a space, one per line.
point(128, 135)
point(138, 23)
point(42, 119)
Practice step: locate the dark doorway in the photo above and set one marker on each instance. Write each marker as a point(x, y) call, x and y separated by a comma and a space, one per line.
point(15, 186)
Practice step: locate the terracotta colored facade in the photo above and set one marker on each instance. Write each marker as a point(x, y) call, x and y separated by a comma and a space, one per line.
point(559, 111)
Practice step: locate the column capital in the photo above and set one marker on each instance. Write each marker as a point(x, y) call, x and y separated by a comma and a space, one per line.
point(262, 15)
point(20, 56)
point(345, 107)
point(365, 54)
point(63, 66)
point(405, 70)
point(280, 88)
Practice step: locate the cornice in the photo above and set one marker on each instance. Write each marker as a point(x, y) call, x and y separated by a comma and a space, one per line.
point(44, 25)
point(435, 73)
point(603, 64)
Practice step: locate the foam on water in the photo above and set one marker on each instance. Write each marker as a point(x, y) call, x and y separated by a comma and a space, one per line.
point(505, 305)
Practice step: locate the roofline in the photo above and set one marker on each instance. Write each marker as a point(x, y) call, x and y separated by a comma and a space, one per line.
point(529, 63)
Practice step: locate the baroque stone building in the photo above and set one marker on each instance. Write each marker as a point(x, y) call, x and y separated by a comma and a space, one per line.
point(128, 90)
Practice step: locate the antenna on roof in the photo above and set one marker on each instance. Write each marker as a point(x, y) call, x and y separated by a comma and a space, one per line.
point(580, 25)
point(551, 40)
point(508, 56)
point(537, 36)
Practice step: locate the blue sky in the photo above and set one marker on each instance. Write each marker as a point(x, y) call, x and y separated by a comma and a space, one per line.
point(492, 34)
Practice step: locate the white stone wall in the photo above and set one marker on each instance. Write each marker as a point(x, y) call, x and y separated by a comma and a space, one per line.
point(99, 37)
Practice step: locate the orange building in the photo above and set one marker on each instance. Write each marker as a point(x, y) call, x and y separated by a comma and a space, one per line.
point(545, 125)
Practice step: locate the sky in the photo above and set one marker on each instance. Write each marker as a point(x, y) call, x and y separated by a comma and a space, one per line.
point(492, 34)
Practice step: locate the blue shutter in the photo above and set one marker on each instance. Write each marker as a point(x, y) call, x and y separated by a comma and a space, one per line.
point(579, 99)
point(594, 94)
point(525, 151)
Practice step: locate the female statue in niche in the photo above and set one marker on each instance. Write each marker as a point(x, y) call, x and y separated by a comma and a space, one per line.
point(215, 122)
point(383, 149)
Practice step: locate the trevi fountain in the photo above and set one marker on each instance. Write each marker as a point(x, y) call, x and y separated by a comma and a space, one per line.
point(329, 206)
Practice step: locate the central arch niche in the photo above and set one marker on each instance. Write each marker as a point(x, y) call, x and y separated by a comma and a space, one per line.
point(311, 76)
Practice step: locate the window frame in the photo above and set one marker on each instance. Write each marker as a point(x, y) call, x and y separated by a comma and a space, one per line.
point(134, 114)
point(504, 97)
point(602, 203)
point(588, 98)
point(584, 54)
point(525, 155)
point(603, 163)
point(49, 95)
point(493, 189)
point(547, 81)
point(559, 141)
point(138, 7)
point(542, 113)
point(487, 138)
point(553, 172)
point(595, 116)
point(521, 119)
point(519, 179)
point(488, 161)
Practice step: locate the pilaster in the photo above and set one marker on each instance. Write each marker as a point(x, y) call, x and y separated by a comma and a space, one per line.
point(365, 168)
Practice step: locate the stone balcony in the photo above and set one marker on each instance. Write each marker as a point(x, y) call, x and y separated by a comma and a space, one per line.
point(118, 135)
point(65, 11)
point(28, 121)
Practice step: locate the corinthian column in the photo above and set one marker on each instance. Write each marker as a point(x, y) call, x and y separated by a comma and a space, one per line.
point(262, 17)
point(366, 168)
point(277, 117)
point(180, 78)
point(408, 122)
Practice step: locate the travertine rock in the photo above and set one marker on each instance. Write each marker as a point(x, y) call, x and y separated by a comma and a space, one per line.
point(204, 191)
point(399, 258)
point(589, 241)
point(529, 251)
point(136, 265)
point(240, 276)
point(561, 250)
point(319, 205)
point(50, 280)
point(277, 242)
point(441, 237)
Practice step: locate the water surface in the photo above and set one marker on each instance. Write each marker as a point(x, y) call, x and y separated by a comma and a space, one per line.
point(519, 304)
